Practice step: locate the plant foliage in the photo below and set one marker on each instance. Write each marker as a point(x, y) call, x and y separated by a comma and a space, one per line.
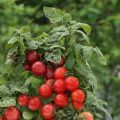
point(69, 38)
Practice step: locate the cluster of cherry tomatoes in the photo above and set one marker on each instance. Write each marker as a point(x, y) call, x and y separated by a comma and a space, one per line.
point(66, 90)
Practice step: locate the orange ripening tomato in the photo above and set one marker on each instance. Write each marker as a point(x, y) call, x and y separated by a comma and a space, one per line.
point(87, 116)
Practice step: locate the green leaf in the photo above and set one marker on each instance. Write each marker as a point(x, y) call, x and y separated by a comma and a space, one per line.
point(87, 52)
point(42, 36)
point(98, 115)
point(54, 56)
point(70, 62)
point(21, 46)
point(85, 27)
point(105, 111)
point(14, 39)
point(84, 70)
point(4, 90)
point(58, 33)
point(54, 15)
point(33, 44)
point(100, 56)
point(78, 56)
point(27, 115)
point(36, 82)
point(24, 29)
point(11, 57)
point(7, 101)
point(49, 100)
point(55, 46)
point(93, 100)
point(18, 87)
point(21, 89)
point(84, 36)
point(2, 81)
point(67, 17)
point(76, 26)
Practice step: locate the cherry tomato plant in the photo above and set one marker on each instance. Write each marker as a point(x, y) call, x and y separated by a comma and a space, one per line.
point(49, 77)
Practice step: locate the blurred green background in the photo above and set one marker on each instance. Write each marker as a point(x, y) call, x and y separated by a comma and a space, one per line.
point(102, 15)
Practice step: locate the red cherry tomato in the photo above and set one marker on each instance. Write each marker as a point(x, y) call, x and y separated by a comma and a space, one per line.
point(61, 100)
point(49, 73)
point(11, 113)
point(32, 56)
point(27, 67)
point(34, 103)
point(45, 91)
point(39, 68)
point(47, 111)
point(49, 82)
point(72, 83)
point(59, 86)
point(87, 116)
point(77, 105)
point(1, 118)
point(60, 73)
point(23, 100)
point(78, 95)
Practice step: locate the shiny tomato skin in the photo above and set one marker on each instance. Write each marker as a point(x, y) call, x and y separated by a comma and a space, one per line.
point(32, 56)
point(60, 73)
point(72, 83)
point(77, 105)
point(50, 82)
point(39, 68)
point(45, 91)
point(27, 67)
point(87, 115)
point(47, 111)
point(49, 73)
point(34, 103)
point(12, 113)
point(61, 100)
point(23, 100)
point(59, 86)
point(78, 95)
